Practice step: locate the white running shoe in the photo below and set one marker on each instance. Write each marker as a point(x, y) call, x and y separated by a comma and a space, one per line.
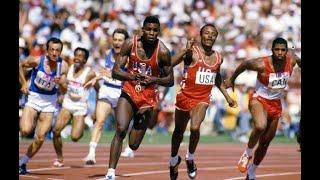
point(111, 176)
point(57, 163)
point(127, 153)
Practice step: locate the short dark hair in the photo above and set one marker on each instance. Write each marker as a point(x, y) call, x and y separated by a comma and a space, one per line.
point(212, 25)
point(55, 41)
point(279, 40)
point(151, 19)
point(86, 52)
point(121, 31)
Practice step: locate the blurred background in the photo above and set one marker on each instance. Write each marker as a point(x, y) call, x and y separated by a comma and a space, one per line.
point(246, 30)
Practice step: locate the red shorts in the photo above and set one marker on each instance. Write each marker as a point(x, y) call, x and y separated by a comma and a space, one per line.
point(272, 106)
point(186, 103)
point(145, 98)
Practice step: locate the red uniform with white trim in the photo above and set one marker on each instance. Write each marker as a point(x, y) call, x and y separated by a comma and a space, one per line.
point(269, 87)
point(140, 95)
point(198, 81)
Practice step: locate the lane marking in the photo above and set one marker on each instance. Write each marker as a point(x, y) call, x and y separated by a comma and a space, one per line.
point(206, 169)
point(267, 175)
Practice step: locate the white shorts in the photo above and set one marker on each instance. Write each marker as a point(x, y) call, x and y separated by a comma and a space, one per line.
point(111, 94)
point(42, 102)
point(74, 107)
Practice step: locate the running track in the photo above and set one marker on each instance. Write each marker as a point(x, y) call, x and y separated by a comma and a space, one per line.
point(214, 162)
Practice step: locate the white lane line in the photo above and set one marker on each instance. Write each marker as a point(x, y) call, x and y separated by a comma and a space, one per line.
point(267, 175)
point(28, 176)
point(51, 168)
point(208, 169)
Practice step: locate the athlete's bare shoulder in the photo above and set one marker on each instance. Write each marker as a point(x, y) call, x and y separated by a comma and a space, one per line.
point(126, 47)
point(164, 52)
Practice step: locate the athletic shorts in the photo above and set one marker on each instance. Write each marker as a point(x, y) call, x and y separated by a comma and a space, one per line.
point(143, 99)
point(185, 103)
point(272, 106)
point(110, 94)
point(74, 107)
point(42, 102)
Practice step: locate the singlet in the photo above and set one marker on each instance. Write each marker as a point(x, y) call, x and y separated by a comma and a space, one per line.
point(75, 90)
point(109, 81)
point(272, 84)
point(149, 67)
point(43, 82)
point(199, 78)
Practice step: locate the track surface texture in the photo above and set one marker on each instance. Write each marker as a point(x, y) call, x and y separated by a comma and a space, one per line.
point(214, 162)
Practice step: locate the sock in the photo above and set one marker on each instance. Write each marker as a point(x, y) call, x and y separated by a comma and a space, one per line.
point(24, 160)
point(92, 149)
point(248, 151)
point(189, 156)
point(252, 171)
point(111, 171)
point(174, 160)
point(128, 149)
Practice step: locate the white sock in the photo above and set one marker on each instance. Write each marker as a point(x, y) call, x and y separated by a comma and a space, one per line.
point(92, 149)
point(189, 156)
point(24, 160)
point(111, 171)
point(252, 171)
point(128, 149)
point(248, 151)
point(174, 160)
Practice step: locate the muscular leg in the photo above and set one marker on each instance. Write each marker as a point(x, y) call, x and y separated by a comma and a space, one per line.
point(27, 120)
point(181, 121)
point(124, 114)
point(62, 120)
point(265, 140)
point(138, 130)
point(197, 116)
point(259, 116)
point(102, 111)
point(77, 128)
point(43, 127)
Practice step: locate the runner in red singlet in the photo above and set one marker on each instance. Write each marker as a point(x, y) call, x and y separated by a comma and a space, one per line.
point(265, 105)
point(201, 74)
point(149, 65)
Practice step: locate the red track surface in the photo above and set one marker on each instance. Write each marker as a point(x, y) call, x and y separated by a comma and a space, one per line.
point(214, 161)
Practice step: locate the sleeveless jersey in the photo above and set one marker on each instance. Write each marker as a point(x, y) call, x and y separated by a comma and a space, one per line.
point(142, 96)
point(75, 90)
point(198, 79)
point(272, 84)
point(41, 81)
point(109, 81)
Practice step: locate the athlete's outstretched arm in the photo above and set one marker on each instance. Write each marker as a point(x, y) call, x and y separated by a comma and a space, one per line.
point(120, 62)
point(185, 54)
point(220, 85)
point(91, 79)
point(166, 70)
point(252, 64)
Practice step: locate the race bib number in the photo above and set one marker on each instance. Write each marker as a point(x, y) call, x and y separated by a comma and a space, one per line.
point(205, 78)
point(278, 80)
point(75, 90)
point(44, 81)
